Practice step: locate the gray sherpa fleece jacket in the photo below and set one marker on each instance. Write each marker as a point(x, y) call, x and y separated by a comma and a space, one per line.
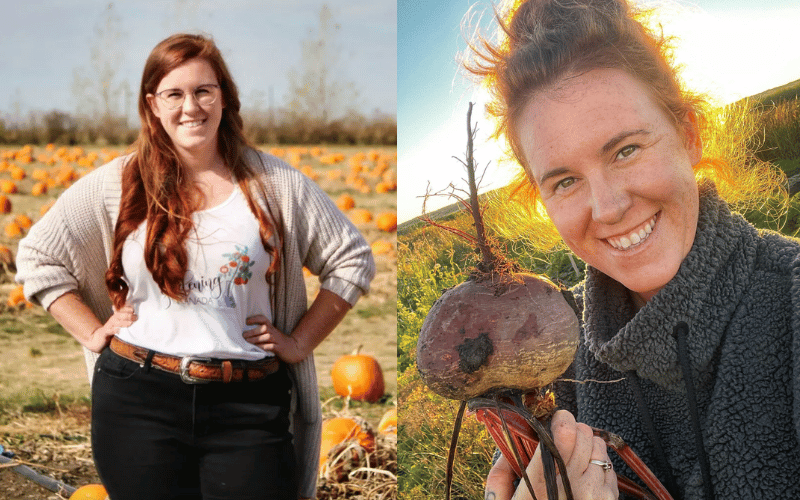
point(738, 290)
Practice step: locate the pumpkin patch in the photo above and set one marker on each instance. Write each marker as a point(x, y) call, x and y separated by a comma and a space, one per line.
point(353, 185)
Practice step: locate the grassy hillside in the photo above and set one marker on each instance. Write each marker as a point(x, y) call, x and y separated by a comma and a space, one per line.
point(778, 95)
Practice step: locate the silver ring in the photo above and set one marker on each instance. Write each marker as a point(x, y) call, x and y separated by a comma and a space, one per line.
point(605, 465)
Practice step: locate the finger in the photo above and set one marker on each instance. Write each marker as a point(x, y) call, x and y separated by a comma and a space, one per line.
point(256, 333)
point(604, 481)
point(500, 481)
point(124, 310)
point(126, 316)
point(582, 451)
point(269, 346)
point(564, 430)
point(535, 472)
point(257, 319)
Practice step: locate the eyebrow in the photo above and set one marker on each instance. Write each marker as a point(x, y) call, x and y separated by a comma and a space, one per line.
point(614, 141)
point(176, 88)
point(608, 146)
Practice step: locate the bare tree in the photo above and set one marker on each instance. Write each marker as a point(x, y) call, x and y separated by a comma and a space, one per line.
point(315, 90)
point(97, 91)
point(182, 15)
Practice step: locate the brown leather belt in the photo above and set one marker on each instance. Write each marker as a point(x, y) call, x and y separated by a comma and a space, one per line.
point(197, 369)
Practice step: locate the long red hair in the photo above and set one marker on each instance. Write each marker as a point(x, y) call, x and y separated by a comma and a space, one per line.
point(154, 187)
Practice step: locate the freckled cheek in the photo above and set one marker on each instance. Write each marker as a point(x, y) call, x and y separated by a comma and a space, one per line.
point(571, 223)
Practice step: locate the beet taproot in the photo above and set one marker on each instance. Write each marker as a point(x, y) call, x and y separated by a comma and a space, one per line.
point(483, 335)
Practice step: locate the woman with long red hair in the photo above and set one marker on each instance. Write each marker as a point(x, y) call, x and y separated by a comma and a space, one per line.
point(181, 266)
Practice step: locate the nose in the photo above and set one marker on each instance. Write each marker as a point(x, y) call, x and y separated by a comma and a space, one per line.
point(190, 102)
point(610, 198)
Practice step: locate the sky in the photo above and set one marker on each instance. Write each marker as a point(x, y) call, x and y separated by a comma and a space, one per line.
point(44, 42)
point(729, 49)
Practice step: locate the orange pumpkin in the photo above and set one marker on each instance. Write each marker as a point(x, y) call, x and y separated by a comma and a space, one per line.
point(90, 492)
point(382, 247)
point(5, 204)
point(387, 222)
point(360, 216)
point(18, 173)
point(388, 424)
point(8, 187)
point(339, 429)
point(16, 296)
point(344, 439)
point(6, 256)
point(309, 172)
point(390, 176)
point(40, 174)
point(13, 230)
point(23, 221)
point(345, 202)
point(358, 376)
point(39, 189)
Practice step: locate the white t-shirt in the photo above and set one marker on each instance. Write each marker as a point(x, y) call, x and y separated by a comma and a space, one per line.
point(225, 284)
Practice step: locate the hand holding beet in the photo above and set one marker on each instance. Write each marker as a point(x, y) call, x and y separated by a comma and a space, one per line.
point(577, 446)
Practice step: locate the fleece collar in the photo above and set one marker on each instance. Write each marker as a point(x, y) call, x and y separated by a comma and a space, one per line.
point(704, 294)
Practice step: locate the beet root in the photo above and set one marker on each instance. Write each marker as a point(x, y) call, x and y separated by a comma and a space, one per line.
point(480, 336)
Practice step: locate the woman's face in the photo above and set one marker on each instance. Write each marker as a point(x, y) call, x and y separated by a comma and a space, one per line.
point(615, 175)
point(192, 127)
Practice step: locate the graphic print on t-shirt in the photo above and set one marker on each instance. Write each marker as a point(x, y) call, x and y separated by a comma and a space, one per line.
point(216, 291)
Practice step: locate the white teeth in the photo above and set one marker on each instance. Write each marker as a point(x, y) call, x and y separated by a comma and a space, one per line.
point(192, 124)
point(636, 237)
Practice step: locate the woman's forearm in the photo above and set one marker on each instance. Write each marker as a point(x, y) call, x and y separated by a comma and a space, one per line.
point(80, 322)
point(76, 317)
point(325, 313)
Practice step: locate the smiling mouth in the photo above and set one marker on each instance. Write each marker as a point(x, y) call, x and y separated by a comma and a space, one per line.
point(635, 237)
point(193, 124)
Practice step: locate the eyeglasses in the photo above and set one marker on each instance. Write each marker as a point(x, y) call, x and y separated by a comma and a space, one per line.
point(204, 95)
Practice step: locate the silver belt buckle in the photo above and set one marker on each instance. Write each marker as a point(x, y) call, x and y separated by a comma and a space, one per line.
point(188, 379)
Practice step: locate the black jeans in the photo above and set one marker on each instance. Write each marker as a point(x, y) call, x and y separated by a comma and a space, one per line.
point(155, 437)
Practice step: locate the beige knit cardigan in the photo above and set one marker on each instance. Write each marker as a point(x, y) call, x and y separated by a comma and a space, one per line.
point(70, 249)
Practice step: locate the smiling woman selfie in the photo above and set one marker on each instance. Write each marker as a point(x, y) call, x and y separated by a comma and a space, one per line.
point(181, 266)
point(689, 312)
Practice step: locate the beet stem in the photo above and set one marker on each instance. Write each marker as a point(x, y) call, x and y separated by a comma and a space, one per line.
point(546, 439)
point(452, 455)
point(487, 264)
point(514, 447)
